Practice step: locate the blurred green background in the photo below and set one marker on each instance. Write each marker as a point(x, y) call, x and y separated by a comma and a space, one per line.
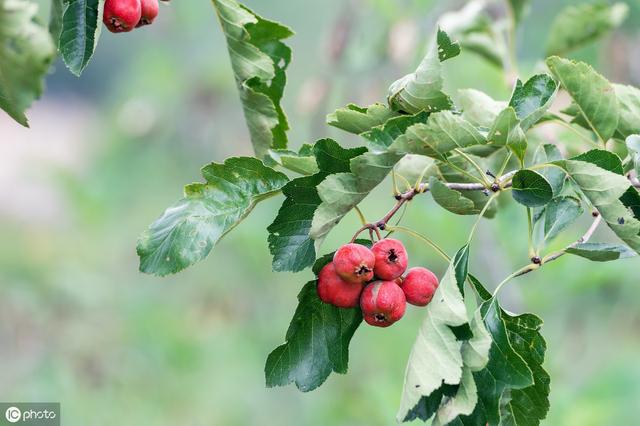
point(109, 151)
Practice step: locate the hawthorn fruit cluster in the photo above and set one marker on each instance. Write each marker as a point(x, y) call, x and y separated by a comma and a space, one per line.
point(373, 280)
point(124, 15)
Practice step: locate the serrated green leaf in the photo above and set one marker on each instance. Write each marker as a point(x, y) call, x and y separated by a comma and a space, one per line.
point(81, 27)
point(26, 52)
point(506, 131)
point(604, 159)
point(601, 252)
point(55, 19)
point(592, 94)
point(610, 193)
point(629, 102)
point(413, 167)
point(478, 108)
point(381, 137)
point(559, 214)
point(442, 133)
point(259, 59)
point(578, 25)
point(450, 199)
point(513, 389)
point(547, 153)
point(532, 99)
point(341, 192)
point(527, 406)
point(317, 341)
point(531, 189)
point(187, 231)
point(422, 89)
point(302, 162)
point(356, 119)
point(447, 48)
point(289, 242)
point(438, 358)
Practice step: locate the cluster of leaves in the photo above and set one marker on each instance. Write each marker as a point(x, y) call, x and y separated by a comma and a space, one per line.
point(472, 363)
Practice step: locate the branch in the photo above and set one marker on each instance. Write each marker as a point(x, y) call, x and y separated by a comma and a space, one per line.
point(537, 262)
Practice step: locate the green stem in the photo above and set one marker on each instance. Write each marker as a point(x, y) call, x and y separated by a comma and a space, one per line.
point(532, 252)
point(360, 215)
point(424, 239)
point(525, 269)
point(466, 173)
point(482, 213)
point(474, 164)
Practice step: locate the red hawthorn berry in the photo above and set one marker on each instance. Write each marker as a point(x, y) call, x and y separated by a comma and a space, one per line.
point(391, 259)
point(419, 285)
point(354, 263)
point(150, 9)
point(121, 15)
point(382, 303)
point(336, 291)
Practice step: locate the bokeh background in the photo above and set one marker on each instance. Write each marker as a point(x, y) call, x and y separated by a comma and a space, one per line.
point(109, 151)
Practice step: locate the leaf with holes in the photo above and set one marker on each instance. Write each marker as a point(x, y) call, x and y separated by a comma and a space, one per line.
point(356, 119)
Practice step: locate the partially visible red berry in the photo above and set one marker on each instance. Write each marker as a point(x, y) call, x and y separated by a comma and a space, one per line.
point(150, 9)
point(419, 285)
point(391, 259)
point(354, 263)
point(382, 303)
point(121, 15)
point(336, 291)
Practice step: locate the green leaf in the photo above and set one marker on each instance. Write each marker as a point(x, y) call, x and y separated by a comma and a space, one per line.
point(26, 52)
point(302, 162)
point(519, 8)
point(450, 199)
point(438, 357)
point(422, 89)
point(187, 231)
point(604, 159)
point(601, 252)
point(513, 389)
point(629, 102)
point(259, 59)
point(474, 30)
point(531, 189)
point(633, 145)
point(413, 167)
point(355, 119)
point(581, 24)
point(55, 19)
point(547, 153)
point(506, 131)
point(527, 406)
point(611, 194)
point(478, 108)
point(317, 341)
point(81, 27)
point(442, 133)
point(532, 99)
point(381, 137)
point(341, 192)
point(289, 241)
point(560, 213)
point(592, 94)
